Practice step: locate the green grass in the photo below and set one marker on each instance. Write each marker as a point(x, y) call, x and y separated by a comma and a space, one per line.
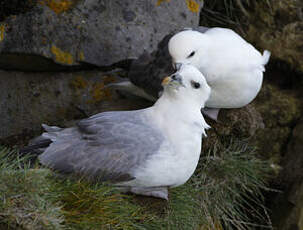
point(224, 193)
point(25, 198)
point(230, 186)
point(229, 13)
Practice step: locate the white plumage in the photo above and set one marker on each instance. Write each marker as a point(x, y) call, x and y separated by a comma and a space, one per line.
point(232, 67)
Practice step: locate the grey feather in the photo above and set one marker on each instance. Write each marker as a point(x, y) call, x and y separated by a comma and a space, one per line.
point(105, 147)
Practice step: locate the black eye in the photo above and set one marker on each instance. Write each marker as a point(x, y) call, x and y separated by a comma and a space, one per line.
point(191, 54)
point(195, 85)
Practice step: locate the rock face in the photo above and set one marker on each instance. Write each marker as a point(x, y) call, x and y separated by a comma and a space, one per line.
point(29, 99)
point(288, 206)
point(280, 110)
point(96, 32)
point(277, 25)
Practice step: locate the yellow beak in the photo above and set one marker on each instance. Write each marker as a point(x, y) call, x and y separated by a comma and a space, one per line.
point(166, 80)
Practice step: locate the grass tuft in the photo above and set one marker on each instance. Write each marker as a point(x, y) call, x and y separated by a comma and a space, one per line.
point(25, 200)
point(225, 193)
point(230, 187)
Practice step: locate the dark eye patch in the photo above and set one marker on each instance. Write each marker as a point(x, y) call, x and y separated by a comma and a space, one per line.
point(191, 54)
point(195, 84)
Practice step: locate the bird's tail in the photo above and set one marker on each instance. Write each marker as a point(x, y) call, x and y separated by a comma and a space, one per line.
point(37, 145)
point(266, 56)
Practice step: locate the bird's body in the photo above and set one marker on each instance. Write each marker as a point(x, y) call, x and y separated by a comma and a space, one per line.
point(143, 151)
point(179, 153)
point(232, 67)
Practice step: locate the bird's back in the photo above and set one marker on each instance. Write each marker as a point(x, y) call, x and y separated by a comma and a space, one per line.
point(229, 53)
point(233, 68)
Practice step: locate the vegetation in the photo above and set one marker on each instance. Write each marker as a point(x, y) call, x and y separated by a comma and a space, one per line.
point(225, 193)
point(228, 13)
point(27, 200)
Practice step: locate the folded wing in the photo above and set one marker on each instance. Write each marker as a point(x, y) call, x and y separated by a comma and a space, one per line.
point(104, 147)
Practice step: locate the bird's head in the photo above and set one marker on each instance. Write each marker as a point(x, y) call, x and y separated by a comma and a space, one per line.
point(187, 84)
point(187, 47)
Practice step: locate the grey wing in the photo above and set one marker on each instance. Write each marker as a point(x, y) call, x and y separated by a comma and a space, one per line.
point(148, 71)
point(104, 147)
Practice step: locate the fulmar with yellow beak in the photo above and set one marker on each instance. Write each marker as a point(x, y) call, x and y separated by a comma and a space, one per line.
point(143, 151)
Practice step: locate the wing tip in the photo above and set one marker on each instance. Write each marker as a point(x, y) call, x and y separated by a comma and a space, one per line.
point(51, 128)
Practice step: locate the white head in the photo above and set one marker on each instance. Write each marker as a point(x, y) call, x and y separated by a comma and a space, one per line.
point(187, 85)
point(187, 47)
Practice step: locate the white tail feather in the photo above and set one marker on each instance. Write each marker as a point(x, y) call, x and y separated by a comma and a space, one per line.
point(266, 56)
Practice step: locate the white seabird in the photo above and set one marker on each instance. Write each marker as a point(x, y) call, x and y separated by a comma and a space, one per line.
point(233, 68)
point(142, 151)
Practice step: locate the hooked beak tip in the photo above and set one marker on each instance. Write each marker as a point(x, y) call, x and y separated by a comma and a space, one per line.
point(177, 66)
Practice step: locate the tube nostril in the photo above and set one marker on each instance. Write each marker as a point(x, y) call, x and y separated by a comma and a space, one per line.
point(177, 66)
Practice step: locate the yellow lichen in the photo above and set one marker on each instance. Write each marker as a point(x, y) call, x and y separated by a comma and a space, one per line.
point(58, 6)
point(161, 1)
point(81, 56)
point(61, 56)
point(193, 6)
point(79, 83)
point(109, 79)
point(2, 30)
point(99, 92)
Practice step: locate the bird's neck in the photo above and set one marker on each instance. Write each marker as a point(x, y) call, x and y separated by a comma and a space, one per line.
point(179, 110)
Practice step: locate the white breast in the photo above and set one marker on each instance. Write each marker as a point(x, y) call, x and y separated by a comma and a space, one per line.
point(175, 161)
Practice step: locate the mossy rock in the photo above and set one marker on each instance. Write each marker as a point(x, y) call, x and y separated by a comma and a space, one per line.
point(73, 33)
point(55, 98)
point(277, 25)
point(280, 111)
